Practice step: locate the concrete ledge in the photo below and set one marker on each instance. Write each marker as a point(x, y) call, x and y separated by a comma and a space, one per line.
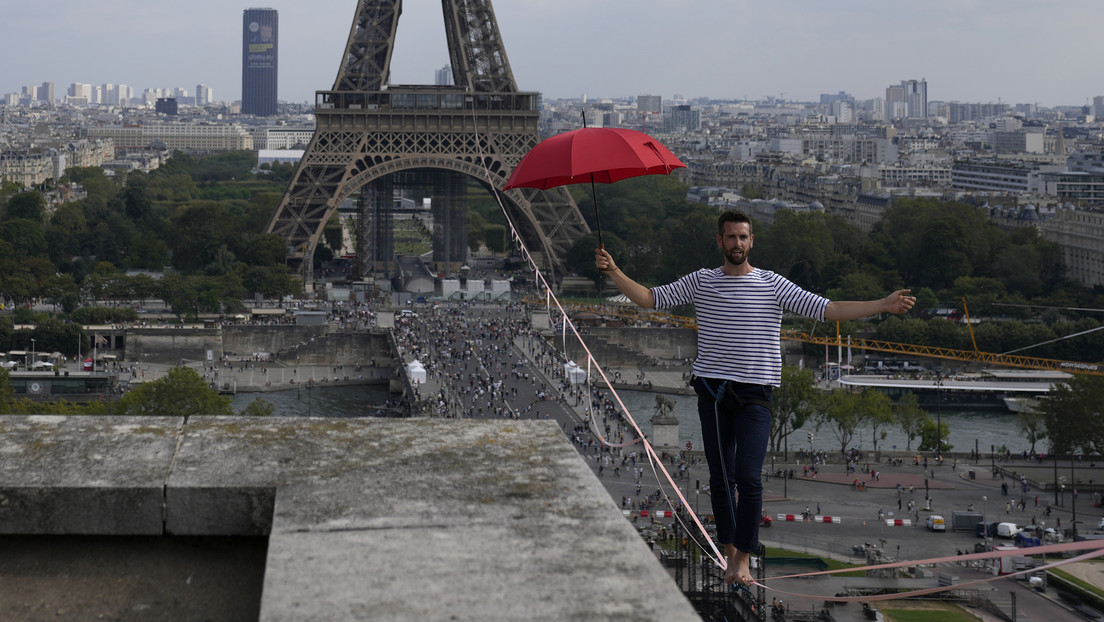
point(84, 475)
point(367, 518)
point(219, 511)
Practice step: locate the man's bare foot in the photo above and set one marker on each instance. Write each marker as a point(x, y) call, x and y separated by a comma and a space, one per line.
point(738, 570)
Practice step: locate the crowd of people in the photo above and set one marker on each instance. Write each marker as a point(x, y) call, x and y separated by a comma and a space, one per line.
point(487, 361)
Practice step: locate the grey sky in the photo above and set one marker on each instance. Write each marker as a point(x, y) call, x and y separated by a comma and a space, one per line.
point(1015, 51)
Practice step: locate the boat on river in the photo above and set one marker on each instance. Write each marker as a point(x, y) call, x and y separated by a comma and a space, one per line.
point(1012, 390)
point(74, 386)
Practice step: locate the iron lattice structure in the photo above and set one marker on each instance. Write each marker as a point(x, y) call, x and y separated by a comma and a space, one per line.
point(367, 129)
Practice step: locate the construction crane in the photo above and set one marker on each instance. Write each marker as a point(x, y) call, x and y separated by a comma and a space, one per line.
point(1008, 359)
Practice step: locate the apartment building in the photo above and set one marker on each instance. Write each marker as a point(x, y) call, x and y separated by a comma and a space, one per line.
point(198, 137)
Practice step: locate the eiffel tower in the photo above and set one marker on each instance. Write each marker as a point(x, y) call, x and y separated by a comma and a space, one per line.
point(371, 134)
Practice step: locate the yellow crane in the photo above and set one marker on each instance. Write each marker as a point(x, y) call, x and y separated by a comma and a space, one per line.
point(972, 356)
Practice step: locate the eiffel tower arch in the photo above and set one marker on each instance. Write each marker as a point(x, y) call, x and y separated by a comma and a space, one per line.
point(368, 129)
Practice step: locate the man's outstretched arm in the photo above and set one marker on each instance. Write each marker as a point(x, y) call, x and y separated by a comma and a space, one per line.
point(635, 292)
point(897, 302)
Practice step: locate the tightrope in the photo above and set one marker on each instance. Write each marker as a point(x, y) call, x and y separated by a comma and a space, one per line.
point(550, 298)
point(1095, 549)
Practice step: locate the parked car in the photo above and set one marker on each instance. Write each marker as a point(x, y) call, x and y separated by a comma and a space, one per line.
point(1100, 525)
point(1007, 530)
point(935, 522)
point(986, 530)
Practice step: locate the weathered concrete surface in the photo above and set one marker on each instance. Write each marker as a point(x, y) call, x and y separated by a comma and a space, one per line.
point(381, 518)
point(84, 475)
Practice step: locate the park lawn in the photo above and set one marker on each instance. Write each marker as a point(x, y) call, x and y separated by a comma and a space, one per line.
point(833, 564)
point(903, 611)
point(1081, 583)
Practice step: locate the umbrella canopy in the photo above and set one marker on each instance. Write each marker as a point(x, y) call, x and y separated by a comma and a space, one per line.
point(592, 154)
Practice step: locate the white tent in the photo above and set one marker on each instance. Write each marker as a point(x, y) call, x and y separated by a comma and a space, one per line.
point(416, 371)
point(619, 299)
point(574, 373)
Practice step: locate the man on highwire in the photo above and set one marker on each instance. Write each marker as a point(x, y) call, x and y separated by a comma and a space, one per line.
point(739, 311)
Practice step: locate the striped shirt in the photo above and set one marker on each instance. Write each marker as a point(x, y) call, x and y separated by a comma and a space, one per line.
point(739, 319)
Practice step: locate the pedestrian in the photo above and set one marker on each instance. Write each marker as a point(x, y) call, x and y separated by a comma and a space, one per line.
point(739, 362)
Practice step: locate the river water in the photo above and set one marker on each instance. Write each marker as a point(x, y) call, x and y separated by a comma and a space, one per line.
point(361, 400)
point(996, 428)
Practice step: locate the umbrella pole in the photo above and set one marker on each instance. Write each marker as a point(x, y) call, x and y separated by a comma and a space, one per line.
point(597, 220)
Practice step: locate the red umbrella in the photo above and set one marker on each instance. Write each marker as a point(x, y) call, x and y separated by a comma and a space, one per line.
point(592, 154)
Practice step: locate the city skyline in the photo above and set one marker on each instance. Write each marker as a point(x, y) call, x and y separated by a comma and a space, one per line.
point(1012, 51)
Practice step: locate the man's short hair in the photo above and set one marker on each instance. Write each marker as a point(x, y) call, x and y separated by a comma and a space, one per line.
point(732, 215)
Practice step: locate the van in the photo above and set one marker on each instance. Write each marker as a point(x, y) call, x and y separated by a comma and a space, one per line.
point(935, 522)
point(1007, 530)
point(986, 530)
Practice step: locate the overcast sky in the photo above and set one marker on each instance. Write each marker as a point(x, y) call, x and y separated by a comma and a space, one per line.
point(1015, 51)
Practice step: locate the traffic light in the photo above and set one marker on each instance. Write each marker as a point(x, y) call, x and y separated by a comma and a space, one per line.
point(810, 435)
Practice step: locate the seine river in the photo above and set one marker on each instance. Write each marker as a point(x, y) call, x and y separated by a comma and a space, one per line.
point(996, 428)
point(361, 400)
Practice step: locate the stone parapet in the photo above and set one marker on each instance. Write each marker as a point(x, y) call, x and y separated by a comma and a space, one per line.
point(412, 519)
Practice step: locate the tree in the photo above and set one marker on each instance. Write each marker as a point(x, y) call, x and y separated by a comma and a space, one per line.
point(199, 230)
point(180, 393)
point(53, 335)
point(929, 436)
point(1033, 426)
point(137, 202)
point(476, 227)
point(793, 403)
point(26, 206)
point(1073, 415)
point(580, 257)
point(910, 417)
point(495, 238)
point(799, 247)
point(877, 411)
point(839, 410)
point(258, 408)
point(27, 237)
point(7, 393)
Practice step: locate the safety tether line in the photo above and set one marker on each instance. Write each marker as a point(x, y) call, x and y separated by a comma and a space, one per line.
point(649, 451)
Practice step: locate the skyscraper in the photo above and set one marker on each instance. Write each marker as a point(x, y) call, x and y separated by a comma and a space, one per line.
point(259, 45)
point(909, 99)
point(203, 95)
point(443, 76)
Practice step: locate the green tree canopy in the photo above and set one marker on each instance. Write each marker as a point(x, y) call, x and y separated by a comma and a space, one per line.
point(794, 403)
point(841, 411)
point(877, 411)
point(910, 417)
point(1073, 416)
point(180, 393)
point(26, 206)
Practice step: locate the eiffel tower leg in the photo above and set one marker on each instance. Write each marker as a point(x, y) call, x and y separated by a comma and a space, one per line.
point(363, 266)
point(450, 228)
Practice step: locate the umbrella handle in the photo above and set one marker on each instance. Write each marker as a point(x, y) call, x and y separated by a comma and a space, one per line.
point(597, 219)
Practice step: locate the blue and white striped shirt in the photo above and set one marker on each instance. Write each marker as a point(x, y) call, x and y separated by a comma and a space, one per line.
point(739, 319)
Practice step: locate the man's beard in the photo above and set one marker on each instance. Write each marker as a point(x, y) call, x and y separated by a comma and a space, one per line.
point(739, 260)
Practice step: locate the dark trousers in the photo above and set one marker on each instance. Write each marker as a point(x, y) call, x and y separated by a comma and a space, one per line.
point(735, 433)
